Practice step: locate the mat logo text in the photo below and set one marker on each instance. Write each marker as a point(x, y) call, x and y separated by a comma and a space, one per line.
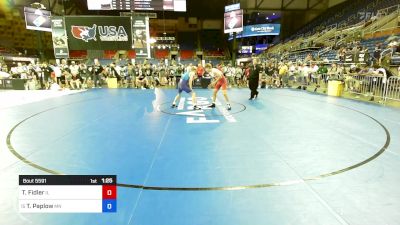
point(200, 116)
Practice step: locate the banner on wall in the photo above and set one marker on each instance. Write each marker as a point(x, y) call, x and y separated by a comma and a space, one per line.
point(98, 32)
point(141, 36)
point(232, 7)
point(59, 36)
point(260, 48)
point(258, 30)
point(246, 50)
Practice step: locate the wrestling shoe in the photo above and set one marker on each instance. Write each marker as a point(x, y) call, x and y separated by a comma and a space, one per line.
point(196, 107)
point(212, 105)
point(173, 106)
point(228, 107)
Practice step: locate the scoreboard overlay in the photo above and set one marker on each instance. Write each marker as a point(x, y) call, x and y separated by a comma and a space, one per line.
point(67, 193)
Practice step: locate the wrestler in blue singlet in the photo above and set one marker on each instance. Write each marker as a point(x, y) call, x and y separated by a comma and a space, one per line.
point(184, 83)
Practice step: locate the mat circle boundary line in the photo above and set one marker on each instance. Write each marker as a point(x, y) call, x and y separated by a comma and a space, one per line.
point(221, 188)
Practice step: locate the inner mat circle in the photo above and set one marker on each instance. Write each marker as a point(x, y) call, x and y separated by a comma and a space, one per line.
point(219, 110)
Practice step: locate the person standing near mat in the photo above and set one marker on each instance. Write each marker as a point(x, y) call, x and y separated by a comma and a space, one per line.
point(97, 70)
point(219, 83)
point(186, 85)
point(254, 78)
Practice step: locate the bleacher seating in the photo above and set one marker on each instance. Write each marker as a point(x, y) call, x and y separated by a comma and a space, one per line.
point(161, 53)
point(347, 14)
point(186, 54)
point(341, 25)
point(214, 53)
point(211, 39)
point(14, 35)
point(187, 40)
point(371, 43)
point(396, 60)
point(331, 55)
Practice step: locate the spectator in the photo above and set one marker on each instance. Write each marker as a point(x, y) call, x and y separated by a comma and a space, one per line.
point(394, 44)
point(22, 71)
point(115, 72)
point(46, 70)
point(229, 74)
point(239, 73)
point(74, 69)
point(57, 73)
point(97, 70)
point(132, 75)
point(377, 54)
point(333, 72)
point(200, 70)
point(309, 58)
point(141, 78)
point(314, 76)
point(341, 54)
point(163, 75)
point(283, 73)
point(149, 75)
point(84, 73)
point(322, 73)
point(305, 72)
point(76, 81)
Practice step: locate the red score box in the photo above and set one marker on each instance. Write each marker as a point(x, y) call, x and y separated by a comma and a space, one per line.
point(109, 192)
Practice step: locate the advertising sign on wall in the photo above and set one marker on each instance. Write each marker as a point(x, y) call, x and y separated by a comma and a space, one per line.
point(232, 7)
point(246, 49)
point(59, 36)
point(260, 48)
point(99, 32)
point(141, 36)
point(259, 30)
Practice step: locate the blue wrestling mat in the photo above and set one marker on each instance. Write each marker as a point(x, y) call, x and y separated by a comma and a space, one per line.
point(289, 157)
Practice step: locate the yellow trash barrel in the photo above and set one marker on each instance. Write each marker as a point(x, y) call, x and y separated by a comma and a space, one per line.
point(335, 88)
point(112, 83)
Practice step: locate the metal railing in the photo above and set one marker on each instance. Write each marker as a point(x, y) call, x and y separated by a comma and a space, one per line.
point(383, 18)
point(387, 11)
point(330, 27)
point(386, 52)
point(393, 89)
point(374, 87)
point(367, 85)
point(323, 51)
point(342, 24)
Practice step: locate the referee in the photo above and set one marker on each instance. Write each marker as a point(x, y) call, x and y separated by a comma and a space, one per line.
point(254, 78)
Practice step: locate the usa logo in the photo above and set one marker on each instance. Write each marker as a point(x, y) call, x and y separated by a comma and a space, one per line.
point(84, 33)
